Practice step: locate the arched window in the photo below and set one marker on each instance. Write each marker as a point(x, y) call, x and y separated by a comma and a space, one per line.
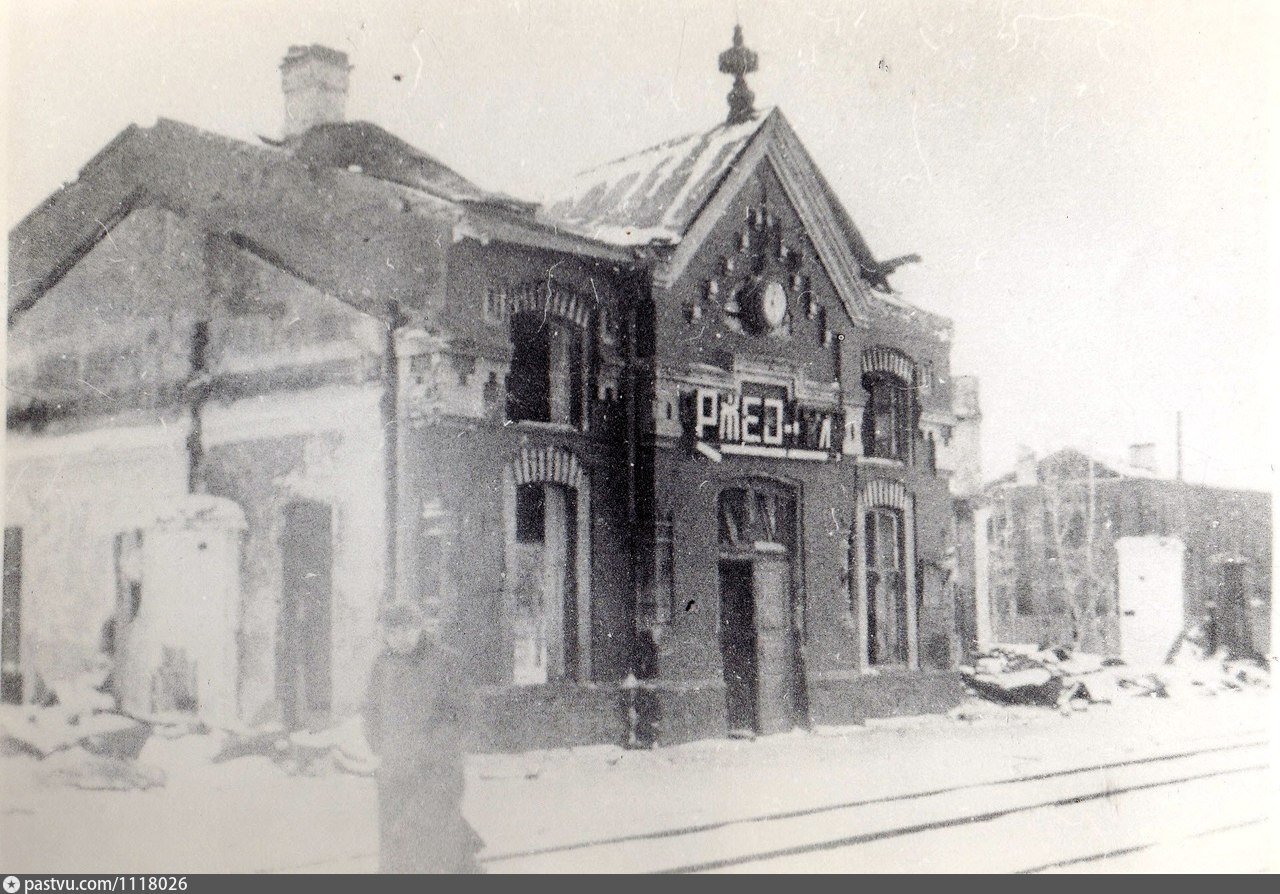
point(885, 583)
point(886, 421)
point(548, 567)
point(551, 345)
point(887, 620)
point(890, 420)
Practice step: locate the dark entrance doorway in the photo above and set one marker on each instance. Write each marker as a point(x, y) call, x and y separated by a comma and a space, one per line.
point(738, 644)
point(303, 680)
point(1230, 628)
point(759, 640)
point(11, 619)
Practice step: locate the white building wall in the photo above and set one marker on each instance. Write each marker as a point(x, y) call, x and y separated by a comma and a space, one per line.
point(72, 493)
point(1150, 572)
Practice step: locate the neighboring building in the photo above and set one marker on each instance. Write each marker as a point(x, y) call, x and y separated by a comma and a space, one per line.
point(1079, 549)
point(674, 423)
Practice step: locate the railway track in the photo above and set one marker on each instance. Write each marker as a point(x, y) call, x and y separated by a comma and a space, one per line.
point(853, 835)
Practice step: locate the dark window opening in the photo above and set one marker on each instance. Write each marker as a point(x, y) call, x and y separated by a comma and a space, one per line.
point(548, 377)
point(1025, 598)
point(887, 421)
point(531, 509)
point(528, 386)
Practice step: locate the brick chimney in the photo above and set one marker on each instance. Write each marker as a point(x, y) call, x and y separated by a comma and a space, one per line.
point(1143, 456)
point(315, 87)
point(1027, 470)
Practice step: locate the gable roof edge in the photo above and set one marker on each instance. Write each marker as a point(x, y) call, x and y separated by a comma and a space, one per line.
point(777, 144)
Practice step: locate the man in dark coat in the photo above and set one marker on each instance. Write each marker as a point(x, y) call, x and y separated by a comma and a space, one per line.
point(415, 721)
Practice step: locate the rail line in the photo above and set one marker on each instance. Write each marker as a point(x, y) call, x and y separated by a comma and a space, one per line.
point(694, 829)
point(916, 828)
point(1138, 848)
point(494, 861)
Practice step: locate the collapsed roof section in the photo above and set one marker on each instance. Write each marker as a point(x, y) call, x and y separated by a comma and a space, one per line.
point(369, 149)
point(347, 208)
point(362, 215)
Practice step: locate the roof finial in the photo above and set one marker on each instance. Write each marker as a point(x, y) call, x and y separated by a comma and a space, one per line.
point(739, 61)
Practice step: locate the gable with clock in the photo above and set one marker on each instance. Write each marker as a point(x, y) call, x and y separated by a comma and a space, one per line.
point(757, 280)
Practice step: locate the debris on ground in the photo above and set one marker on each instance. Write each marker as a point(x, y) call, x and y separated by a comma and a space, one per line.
point(80, 769)
point(40, 732)
point(1060, 677)
point(341, 747)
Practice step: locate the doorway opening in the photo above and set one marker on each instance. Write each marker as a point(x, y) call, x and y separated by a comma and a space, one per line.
point(546, 592)
point(304, 673)
point(11, 619)
point(759, 631)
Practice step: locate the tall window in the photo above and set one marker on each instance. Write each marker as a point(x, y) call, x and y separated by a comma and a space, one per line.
point(886, 588)
point(887, 422)
point(547, 382)
point(546, 591)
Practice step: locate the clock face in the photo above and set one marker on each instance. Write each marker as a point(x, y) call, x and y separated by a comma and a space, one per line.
point(774, 305)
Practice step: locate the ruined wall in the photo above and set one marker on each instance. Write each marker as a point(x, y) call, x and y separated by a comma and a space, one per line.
point(118, 332)
point(324, 446)
point(71, 494)
point(115, 332)
point(1215, 524)
point(287, 380)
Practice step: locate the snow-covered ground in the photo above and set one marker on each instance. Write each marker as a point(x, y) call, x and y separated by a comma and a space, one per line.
point(186, 814)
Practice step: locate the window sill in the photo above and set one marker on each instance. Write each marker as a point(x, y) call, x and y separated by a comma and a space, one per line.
point(545, 426)
point(883, 461)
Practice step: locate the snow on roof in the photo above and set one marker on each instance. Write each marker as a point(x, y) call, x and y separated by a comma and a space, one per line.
point(652, 195)
point(375, 152)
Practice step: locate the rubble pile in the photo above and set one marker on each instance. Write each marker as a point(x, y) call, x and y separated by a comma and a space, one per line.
point(1062, 678)
point(78, 737)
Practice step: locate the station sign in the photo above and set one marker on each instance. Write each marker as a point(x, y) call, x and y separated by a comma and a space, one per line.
point(762, 420)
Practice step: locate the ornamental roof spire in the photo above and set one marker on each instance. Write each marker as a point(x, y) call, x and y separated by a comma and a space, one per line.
point(739, 61)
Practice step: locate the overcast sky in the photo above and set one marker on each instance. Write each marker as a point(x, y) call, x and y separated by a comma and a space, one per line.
point(1086, 181)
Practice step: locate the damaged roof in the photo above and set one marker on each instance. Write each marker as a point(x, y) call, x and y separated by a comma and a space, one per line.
point(368, 149)
point(350, 209)
point(652, 195)
point(655, 196)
